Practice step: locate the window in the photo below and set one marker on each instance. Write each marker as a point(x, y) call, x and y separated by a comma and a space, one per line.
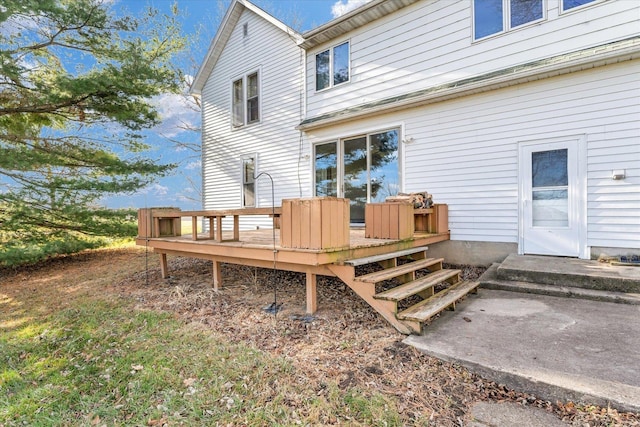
point(332, 66)
point(363, 169)
point(496, 16)
point(326, 164)
point(572, 4)
point(248, 181)
point(245, 103)
point(238, 103)
point(252, 98)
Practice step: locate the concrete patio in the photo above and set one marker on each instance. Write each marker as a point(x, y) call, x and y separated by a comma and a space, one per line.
point(557, 348)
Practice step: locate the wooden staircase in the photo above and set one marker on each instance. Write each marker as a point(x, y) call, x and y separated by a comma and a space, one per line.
point(414, 298)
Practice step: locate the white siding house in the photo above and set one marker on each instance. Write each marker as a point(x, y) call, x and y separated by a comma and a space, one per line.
point(526, 123)
point(255, 132)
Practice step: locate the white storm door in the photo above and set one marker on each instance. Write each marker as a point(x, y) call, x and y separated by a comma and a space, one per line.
point(550, 197)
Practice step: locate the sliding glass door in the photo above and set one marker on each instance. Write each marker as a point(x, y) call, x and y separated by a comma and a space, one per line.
point(362, 169)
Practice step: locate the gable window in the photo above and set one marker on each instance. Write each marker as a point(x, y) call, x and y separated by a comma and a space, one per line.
point(332, 66)
point(496, 16)
point(245, 102)
point(248, 181)
point(572, 4)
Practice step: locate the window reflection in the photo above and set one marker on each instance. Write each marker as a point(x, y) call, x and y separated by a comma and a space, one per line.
point(549, 168)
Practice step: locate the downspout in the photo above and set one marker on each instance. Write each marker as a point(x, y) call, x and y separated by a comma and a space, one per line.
point(302, 113)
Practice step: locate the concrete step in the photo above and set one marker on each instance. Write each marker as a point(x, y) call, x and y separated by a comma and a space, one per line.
point(569, 272)
point(490, 280)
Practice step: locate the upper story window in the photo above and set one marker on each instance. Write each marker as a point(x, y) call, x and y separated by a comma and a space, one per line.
point(572, 4)
point(245, 103)
point(332, 66)
point(496, 16)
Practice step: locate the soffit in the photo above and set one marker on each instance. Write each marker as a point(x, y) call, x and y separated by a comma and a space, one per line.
point(359, 17)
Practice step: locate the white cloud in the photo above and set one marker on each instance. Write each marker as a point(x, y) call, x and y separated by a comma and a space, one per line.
point(177, 112)
point(195, 165)
point(155, 190)
point(341, 7)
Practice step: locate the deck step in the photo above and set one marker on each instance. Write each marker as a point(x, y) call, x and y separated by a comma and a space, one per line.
point(422, 284)
point(377, 258)
point(428, 308)
point(390, 273)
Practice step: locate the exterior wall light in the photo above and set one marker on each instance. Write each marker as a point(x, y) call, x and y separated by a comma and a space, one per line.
point(618, 175)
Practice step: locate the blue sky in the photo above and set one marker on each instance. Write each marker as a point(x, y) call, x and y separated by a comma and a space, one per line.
point(200, 19)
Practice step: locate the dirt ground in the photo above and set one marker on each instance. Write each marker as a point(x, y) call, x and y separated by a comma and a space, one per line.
point(345, 341)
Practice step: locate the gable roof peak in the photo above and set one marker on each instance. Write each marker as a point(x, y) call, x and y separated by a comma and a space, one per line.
point(228, 23)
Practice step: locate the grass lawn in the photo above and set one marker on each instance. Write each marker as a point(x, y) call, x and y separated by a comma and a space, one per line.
point(99, 339)
point(73, 355)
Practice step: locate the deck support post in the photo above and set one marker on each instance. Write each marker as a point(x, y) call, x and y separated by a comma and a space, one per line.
point(164, 271)
point(217, 275)
point(312, 295)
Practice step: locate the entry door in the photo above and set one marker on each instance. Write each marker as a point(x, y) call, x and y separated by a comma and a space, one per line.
point(551, 198)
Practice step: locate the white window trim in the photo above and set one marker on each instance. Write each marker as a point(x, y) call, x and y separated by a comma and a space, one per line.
point(244, 78)
point(330, 49)
point(506, 14)
point(253, 156)
point(574, 9)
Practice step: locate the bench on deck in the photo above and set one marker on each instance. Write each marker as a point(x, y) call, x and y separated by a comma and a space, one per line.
point(167, 222)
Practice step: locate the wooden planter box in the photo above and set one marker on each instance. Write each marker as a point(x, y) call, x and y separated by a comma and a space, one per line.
point(388, 221)
point(432, 220)
point(315, 223)
point(151, 222)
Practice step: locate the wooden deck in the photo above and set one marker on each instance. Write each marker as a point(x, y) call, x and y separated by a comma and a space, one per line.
point(160, 231)
point(256, 248)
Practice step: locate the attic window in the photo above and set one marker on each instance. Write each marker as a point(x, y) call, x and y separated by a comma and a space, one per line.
point(245, 29)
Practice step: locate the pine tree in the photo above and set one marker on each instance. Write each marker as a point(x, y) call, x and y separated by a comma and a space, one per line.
point(76, 83)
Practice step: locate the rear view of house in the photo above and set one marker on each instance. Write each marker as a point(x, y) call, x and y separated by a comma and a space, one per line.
point(522, 116)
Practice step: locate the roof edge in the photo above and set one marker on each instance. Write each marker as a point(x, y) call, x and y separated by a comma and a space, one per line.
point(351, 20)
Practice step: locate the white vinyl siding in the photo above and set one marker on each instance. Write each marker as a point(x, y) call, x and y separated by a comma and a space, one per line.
point(465, 151)
point(430, 43)
point(275, 140)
